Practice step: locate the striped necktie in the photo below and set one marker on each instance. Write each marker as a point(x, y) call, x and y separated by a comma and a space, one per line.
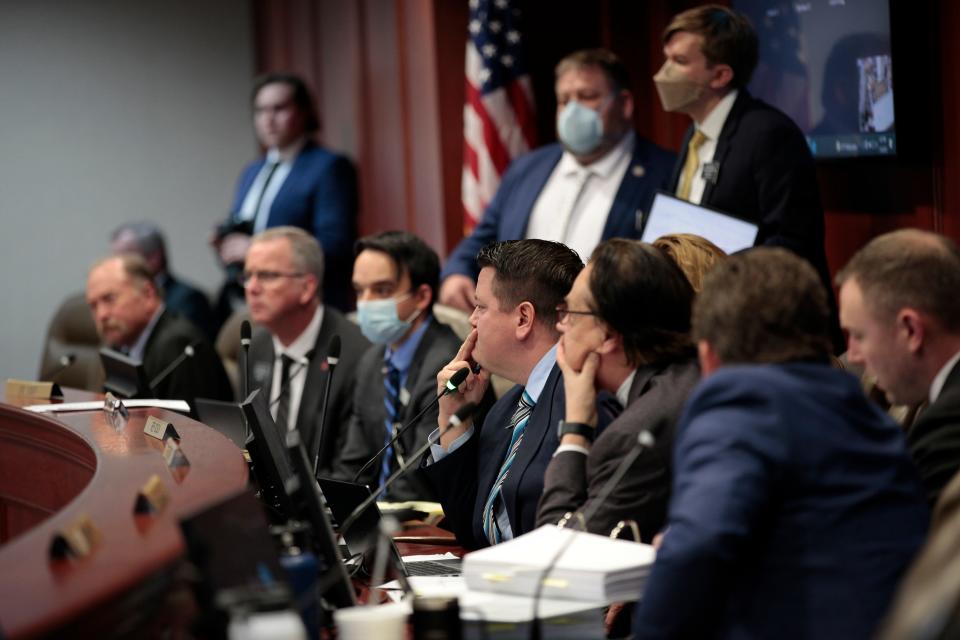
point(518, 423)
point(391, 394)
point(690, 164)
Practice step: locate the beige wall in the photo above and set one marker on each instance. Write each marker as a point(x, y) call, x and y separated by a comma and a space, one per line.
point(112, 110)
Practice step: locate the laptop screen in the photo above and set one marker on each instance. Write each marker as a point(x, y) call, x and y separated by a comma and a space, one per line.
point(672, 215)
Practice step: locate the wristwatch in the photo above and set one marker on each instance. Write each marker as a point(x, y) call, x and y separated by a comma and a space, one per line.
point(576, 428)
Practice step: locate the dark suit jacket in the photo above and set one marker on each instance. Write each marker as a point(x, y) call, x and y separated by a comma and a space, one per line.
point(366, 433)
point(795, 510)
point(319, 196)
point(352, 346)
point(464, 478)
point(191, 303)
point(201, 376)
point(766, 175)
point(573, 480)
point(509, 212)
point(934, 439)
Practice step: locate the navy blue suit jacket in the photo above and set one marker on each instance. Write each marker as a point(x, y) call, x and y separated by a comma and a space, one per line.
point(319, 196)
point(795, 510)
point(463, 479)
point(509, 212)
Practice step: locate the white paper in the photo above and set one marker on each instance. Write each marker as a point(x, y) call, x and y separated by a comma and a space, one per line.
point(672, 215)
point(64, 407)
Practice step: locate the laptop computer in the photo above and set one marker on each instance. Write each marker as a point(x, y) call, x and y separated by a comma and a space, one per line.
point(669, 214)
point(343, 498)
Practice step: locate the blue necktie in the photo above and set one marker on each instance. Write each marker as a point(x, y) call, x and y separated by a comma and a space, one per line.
point(391, 394)
point(518, 423)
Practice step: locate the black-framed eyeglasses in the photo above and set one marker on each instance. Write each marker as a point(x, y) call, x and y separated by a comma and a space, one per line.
point(563, 313)
point(267, 277)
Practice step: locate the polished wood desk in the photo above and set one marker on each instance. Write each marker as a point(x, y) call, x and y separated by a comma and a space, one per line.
point(57, 467)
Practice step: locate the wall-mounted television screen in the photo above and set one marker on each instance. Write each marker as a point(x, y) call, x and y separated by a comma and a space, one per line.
point(828, 65)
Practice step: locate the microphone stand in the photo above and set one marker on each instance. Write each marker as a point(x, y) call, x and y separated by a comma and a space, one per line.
point(187, 352)
point(244, 363)
point(333, 358)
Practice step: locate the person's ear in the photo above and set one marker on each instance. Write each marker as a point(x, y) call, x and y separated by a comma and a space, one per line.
point(525, 315)
point(709, 360)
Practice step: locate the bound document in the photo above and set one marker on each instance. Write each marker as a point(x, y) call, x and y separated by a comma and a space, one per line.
point(589, 567)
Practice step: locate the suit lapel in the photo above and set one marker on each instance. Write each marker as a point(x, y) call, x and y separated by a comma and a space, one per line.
point(413, 373)
point(725, 143)
point(515, 226)
point(623, 220)
point(316, 378)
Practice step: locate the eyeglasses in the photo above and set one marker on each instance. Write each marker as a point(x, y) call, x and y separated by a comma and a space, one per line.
point(266, 277)
point(563, 314)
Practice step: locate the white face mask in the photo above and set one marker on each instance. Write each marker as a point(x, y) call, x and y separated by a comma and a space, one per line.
point(379, 321)
point(580, 128)
point(676, 91)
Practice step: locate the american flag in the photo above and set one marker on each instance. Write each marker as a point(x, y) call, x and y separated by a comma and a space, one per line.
point(498, 118)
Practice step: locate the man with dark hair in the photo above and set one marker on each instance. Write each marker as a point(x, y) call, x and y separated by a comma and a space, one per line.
point(282, 274)
point(490, 478)
point(625, 329)
point(899, 306)
point(131, 317)
point(795, 508)
point(395, 277)
point(596, 183)
point(146, 240)
point(740, 155)
point(297, 183)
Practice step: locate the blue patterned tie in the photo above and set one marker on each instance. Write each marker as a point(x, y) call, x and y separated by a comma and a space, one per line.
point(391, 393)
point(518, 423)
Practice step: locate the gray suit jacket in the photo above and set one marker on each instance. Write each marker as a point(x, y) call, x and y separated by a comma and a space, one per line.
point(573, 480)
point(367, 433)
point(353, 344)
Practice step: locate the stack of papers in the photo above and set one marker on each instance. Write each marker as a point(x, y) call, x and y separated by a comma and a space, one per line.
point(591, 568)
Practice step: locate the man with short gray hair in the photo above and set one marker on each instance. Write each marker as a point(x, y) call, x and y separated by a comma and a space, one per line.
point(282, 277)
point(899, 305)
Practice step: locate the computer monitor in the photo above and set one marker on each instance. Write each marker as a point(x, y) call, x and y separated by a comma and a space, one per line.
point(271, 465)
point(125, 377)
point(335, 584)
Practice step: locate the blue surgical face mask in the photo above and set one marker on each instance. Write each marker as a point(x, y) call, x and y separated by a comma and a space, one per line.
point(580, 128)
point(379, 320)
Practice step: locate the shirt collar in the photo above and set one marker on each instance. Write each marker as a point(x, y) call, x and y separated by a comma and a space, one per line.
point(712, 125)
point(623, 393)
point(941, 378)
point(605, 165)
point(403, 356)
point(540, 373)
point(274, 156)
point(138, 347)
point(305, 342)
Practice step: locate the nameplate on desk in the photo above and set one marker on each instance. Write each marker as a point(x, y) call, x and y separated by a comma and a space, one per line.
point(77, 539)
point(173, 455)
point(152, 497)
point(160, 429)
point(29, 389)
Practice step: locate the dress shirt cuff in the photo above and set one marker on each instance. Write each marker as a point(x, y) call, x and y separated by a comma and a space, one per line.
point(438, 453)
point(571, 447)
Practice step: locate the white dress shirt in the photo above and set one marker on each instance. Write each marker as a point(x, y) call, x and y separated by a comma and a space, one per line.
point(248, 209)
point(941, 378)
point(297, 351)
point(711, 127)
point(574, 204)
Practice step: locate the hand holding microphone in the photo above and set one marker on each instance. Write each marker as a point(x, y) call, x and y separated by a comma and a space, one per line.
point(470, 391)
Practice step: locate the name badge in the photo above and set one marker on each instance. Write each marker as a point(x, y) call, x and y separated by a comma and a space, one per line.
point(711, 171)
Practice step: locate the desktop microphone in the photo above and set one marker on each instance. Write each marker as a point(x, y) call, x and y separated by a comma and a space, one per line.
point(461, 416)
point(293, 373)
point(64, 362)
point(188, 352)
point(645, 440)
point(244, 358)
point(333, 358)
point(452, 385)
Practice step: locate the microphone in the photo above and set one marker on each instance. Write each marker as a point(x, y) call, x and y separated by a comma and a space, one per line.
point(461, 416)
point(64, 362)
point(645, 440)
point(245, 358)
point(333, 358)
point(293, 373)
point(452, 385)
point(188, 352)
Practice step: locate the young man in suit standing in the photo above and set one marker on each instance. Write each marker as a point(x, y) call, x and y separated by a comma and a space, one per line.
point(282, 275)
point(395, 277)
point(489, 476)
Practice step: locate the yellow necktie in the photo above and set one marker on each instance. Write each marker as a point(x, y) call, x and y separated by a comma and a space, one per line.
point(690, 164)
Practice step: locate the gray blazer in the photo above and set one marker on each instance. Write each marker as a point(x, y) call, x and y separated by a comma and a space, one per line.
point(366, 433)
point(352, 345)
point(572, 480)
